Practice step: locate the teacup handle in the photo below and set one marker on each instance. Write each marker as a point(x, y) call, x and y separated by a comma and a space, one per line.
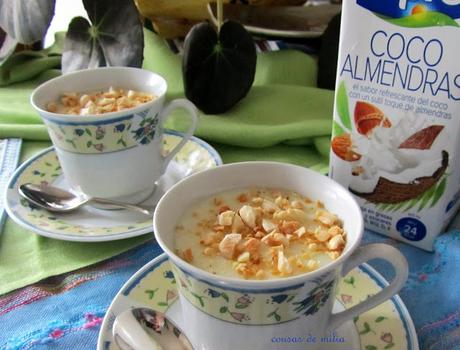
point(361, 255)
point(192, 112)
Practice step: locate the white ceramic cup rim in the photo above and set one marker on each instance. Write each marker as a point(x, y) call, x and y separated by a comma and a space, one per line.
point(224, 281)
point(77, 75)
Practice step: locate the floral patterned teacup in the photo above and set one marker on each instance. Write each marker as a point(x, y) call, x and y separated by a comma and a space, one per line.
point(116, 155)
point(250, 314)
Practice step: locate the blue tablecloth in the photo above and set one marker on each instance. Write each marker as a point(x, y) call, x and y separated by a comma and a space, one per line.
point(65, 312)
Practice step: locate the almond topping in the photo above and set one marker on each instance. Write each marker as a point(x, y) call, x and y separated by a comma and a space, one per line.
point(268, 225)
point(248, 215)
point(300, 231)
point(228, 245)
point(187, 255)
point(243, 257)
point(335, 242)
point(226, 218)
point(283, 264)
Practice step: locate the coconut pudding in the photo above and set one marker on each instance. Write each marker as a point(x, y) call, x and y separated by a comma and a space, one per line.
point(259, 234)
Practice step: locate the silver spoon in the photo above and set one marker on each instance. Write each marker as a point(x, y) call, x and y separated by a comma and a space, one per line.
point(55, 199)
point(143, 328)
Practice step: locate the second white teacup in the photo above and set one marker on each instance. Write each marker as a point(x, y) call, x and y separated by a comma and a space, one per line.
point(117, 155)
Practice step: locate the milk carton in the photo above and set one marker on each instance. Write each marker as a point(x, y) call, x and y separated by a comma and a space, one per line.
point(396, 130)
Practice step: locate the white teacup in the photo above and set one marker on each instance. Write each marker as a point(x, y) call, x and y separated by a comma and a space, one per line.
point(117, 155)
point(247, 314)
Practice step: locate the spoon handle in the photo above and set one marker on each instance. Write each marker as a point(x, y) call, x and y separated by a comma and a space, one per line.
point(137, 208)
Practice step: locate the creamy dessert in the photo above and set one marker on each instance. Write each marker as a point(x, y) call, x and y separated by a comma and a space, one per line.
point(100, 102)
point(259, 234)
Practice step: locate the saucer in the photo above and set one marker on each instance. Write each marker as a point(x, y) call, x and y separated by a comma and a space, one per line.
point(387, 326)
point(89, 224)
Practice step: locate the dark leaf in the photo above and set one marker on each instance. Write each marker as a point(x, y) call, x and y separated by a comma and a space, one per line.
point(218, 70)
point(26, 21)
point(113, 38)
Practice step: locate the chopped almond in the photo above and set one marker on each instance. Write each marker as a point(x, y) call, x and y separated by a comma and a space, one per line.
point(238, 224)
point(311, 264)
point(259, 234)
point(228, 245)
point(268, 225)
point(243, 257)
point(269, 206)
point(335, 242)
point(248, 215)
point(289, 227)
point(226, 218)
point(335, 230)
point(283, 264)
point(300, 231)
point(187, 255)
point(271, 240)
point(253, 246)
point(322, 235)
point(242, 198)
point(326, 218)
point(333, 255)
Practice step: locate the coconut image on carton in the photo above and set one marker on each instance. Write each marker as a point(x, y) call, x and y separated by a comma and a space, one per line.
point(392, 164)
point(398, 165)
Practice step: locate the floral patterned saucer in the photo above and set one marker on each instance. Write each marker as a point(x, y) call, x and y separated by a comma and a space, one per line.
point(90, 224)
point(388, 326)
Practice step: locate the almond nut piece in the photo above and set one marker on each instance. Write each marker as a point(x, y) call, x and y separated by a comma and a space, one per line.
point(228, 245)
point(226, 218)
point(248, 215)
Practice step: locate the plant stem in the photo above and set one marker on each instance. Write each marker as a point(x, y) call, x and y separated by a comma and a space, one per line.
point(219, 14)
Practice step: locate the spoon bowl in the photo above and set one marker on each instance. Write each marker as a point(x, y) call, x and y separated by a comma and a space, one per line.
point(144, 328)
point(57, 200)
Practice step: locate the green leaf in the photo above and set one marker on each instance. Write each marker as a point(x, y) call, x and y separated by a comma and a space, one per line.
point(241, 306)
point(350, 280)
point(370, 347)
point(89, 144)
point(162, 303)
point(389, 346)
point(355, 319)
point(380, 319)
point(223, 309)
point(112, 37)
point(439, 192)
point(151, 293)
point(88, 132)
point(225, 296)
point(337, 129)
point(342, 106)
point(366, 329)
point(277, 317)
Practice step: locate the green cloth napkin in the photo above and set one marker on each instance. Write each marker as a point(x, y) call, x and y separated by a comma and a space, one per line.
point(283, 118)
point(283, 106)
